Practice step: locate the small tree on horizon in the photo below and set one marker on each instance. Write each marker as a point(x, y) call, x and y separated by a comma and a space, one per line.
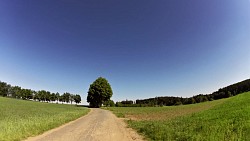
point(57, 97)
point(109, 103)
point(99, 92)
point(77, 99)
point(66, 97)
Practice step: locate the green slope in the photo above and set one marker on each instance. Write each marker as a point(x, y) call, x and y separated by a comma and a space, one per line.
point(20, 119)
point(227, 121)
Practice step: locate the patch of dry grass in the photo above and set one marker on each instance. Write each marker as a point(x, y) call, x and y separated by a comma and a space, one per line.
point(162, 113)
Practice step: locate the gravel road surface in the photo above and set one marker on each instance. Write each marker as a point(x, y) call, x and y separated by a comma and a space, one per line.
point(97, 125)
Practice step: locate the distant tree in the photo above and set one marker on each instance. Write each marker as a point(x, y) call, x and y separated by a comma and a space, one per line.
point(47, 96)
point(128, 102)
point(3, 89)
point(29, 94)
point(9, 93)
point(99, 92)
point(118, 104)
point(193, 100)
point(33, 94)
point(26, 94)
point(42, 95)
point(38, 96)
point(161, 104)
point(178, 103)
point(66, 97)
point(61, 99)
point(53, 97)
point(16, 92)
point(77, 99)
point(109, 103)
point(229, 94)
point(57, 97)
point(71, 98)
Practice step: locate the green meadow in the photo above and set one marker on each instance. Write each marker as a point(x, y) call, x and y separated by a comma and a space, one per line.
point(20, 119)
point(219, 120)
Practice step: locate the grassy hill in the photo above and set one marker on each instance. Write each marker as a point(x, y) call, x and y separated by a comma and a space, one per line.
point(20, 119)
point(225, 119)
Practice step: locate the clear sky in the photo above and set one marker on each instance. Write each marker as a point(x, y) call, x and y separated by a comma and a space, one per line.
point(145, 48)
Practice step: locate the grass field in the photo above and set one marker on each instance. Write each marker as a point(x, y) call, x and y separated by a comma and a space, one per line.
point(20, 119)
point(220, 120)
point(161, 113)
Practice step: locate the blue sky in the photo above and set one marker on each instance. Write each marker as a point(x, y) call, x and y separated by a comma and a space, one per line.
point(145, 48)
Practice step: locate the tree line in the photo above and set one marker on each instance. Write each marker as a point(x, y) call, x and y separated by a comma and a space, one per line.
point(6, 90)
point(231, 90)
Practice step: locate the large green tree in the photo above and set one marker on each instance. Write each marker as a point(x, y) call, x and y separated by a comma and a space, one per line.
point(99, 92)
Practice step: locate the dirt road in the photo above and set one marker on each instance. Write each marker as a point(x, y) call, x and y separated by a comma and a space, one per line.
point(98, 125)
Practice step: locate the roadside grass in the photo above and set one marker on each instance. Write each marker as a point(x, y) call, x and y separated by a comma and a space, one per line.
point(227, 120)
point(20, 119)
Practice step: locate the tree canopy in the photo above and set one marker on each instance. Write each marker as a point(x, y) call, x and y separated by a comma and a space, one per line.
point(99, 92)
